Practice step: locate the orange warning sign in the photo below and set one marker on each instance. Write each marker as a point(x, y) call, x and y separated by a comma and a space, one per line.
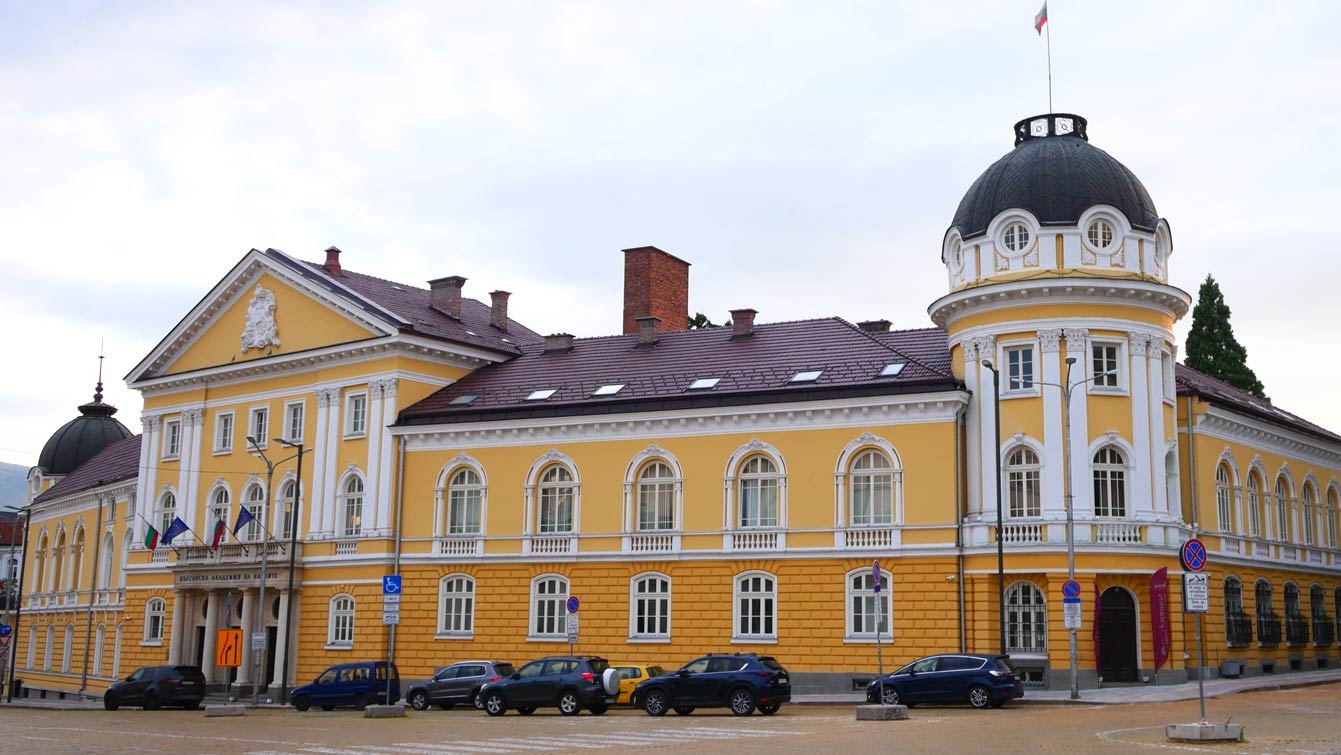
point(228, 648)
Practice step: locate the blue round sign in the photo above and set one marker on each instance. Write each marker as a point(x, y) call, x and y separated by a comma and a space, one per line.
point(573, 604)
point(1071, 588)
point(5, 630)
point(1193, 555)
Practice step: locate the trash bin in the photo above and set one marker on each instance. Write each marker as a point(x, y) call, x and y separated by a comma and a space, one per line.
point(16, 689)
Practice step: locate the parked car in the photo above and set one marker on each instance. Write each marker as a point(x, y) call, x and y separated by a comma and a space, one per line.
point(979, 680)
point(156, 686)
point(349, 684)
point(742, 682)
point(631, 675)
point(570, 683)
point(458, 683)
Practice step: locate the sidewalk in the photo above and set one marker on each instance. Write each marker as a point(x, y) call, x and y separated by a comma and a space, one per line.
point(1141, 694)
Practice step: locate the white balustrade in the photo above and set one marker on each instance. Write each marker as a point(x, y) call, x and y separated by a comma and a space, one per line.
point(459, 546)
point(747, 540)
point(660, 543)
point(1117, 533)
point(346, 547)
point(1020, 533)
point(872, 537)
point(552, 545)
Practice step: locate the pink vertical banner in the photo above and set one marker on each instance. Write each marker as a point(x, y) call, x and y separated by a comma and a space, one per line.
point(1159, 616)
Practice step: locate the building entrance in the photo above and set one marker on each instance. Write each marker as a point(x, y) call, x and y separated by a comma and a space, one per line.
point(1117, 637)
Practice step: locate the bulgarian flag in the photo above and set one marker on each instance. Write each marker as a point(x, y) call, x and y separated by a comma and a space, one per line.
point(151, 538)
point(219, 529)
point(1041, 18)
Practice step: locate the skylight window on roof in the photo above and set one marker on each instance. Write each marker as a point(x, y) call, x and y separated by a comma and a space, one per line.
point(506, 341)
point(892, 369)
point(471, 333)
point(702, 384)
point(609, 390)
point(542, 394)
point(464, 399)
point(806, 376)
point(398, 288)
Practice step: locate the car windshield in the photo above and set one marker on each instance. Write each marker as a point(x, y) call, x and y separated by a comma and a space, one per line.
point(905, 669)
point(1004, 661)
point(598, 665)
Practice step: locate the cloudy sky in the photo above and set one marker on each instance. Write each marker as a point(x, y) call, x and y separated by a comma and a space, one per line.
point(805, 157)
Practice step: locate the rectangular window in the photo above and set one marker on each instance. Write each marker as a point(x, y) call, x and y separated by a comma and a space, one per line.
point(1170, 390)
point(756, 607)
point(869, 609)
point(1104, 366)
point(547, 601)
point(294, 414)
point(172, 438)
point(356, 415)
point(1025, 500)
point(651, 608)
point(759, 502)
point(259, 426)
point(1020, 368)
point(458, 606)
point(223, 433)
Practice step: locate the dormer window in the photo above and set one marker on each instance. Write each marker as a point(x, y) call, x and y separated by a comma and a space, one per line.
point(1100, 234)
point(702, 384)
point(892, 369)
point(542, 394)
point(608, 390)
point(806, 376)
point(1016, 237)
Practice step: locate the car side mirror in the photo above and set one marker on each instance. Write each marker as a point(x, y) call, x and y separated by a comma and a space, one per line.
point(682, 672)
point(515, 675)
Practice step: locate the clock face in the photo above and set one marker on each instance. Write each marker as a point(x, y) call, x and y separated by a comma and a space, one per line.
point(1039, 127)
point(1065, 126)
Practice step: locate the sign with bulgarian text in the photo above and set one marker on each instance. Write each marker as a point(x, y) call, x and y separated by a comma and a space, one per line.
point(1161, 629)
point(1196, 593)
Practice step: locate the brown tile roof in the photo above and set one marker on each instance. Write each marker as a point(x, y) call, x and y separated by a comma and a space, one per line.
point(411, 305)
point(1220, 393)
point(119, 461)
point(753, 369)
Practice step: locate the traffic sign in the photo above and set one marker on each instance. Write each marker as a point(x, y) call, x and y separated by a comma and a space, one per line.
point(228, 648)
point(390, 617)
point(1193, 555)
point(573, 604)
point(391, 584)
point(875, 575)
point(258, 640)
point(572, 627)
point(391, 599)
point(1070, 613)
point(4, 641)
point(6, 630)
point(1071, 589)
point(1197, 593)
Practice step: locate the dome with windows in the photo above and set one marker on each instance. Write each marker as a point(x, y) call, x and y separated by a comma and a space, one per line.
point(82, 438)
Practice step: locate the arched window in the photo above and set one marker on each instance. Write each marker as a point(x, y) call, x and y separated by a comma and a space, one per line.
point(869, 611)
point(1254, 506)
point(1224, 498)
point(656, 497)
point(464, 494)
point(1309, 511)
point(77, 560)
point(167, 511)
point(1026, 619)
point(255, 504)
point(99, 640)
point(456, 606)
point(51, 644)
point(1317, 612)
point(1282, 510)
point(351, 523)
point(756, 607)
point(872, 488)
point(1110, 483)
point(155, 609)
point(288, 499)
point(1268, 623)
point(758, 490)
point(1238, 629)
point(32, 646)
point(1296, 627)
point(67, 649)
point(107, 562)
point(650, 607)
point(1332, 515)
point(549, 593)
point(340, 621)
point(1022, 483)
point(40, 572)
point(556, 500)
point(220, 507)
point(58, 563)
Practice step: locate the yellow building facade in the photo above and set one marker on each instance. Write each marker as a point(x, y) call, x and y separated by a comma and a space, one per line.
point(700, 491)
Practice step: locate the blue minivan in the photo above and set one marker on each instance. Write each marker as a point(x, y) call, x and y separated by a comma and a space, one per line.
point(349, 684)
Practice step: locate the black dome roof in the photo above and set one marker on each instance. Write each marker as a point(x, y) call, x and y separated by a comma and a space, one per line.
point(1057, 177)
point(82, 438)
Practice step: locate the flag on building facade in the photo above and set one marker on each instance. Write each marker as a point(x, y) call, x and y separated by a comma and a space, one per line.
point(219, 529)
point(1041, 18)
point(244, 517)
point(176, 528)
point(1161, 631)
point(151, 538)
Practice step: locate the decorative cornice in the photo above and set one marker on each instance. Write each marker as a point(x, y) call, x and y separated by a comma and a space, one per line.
point(1050, 339)
point(1221, 424)
point(1138, 343)
point(1164, 299)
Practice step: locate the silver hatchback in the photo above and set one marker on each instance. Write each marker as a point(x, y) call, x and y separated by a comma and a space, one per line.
point(459, 683)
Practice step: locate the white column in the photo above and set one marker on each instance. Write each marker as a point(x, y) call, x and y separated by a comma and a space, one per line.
point(987, 421)
point(973, 464)
point(281, 638)
point(386, 464)
point(317, 494)
point(176, 637)
point(248, 626)
point(372, 502)
point(333, 433)
point(1159, 481)
point(1054, 505)
point(184, 426)
point(1077, 345)
point(1141, 501)
point(212, 607)
point(144, 491)
point(193, 421)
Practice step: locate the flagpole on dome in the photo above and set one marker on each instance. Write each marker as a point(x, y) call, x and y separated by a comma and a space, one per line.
point(1041, 20)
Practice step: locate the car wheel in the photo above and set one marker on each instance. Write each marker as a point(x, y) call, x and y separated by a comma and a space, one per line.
point(526, 711)
point(494, 705)
point(654, 702)
point(151, 701)
point(302, 703)
point(742, 701)
point(979, 696)
point(889, 695)
point(476, 701)
point(769, 709)
point(419, 700)
point(598, 708)
point(683, 710)
point(360, 702)
point(190, 705)
point(568, 704)
point(110, 703)
point(328, 707)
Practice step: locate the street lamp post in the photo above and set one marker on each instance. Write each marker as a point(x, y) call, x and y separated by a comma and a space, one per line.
point(1000, 544)
point(258, 653)
point(12, 650)
point(293, 550)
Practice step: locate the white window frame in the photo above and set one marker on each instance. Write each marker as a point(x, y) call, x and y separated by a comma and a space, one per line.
point(466, 494)
point(1016, 625)
point(1120, 347)
point(868, 478)
point(761, 608)
point(99, 640)
point(1332, 506)
point(1010, 244)
point(456, 607)
point(1253, 503)
point(1098, 246)
point(1308, 509)
point(1224, 497)
point(289, 407)
point(661, 486)
point(858, 586)
point(1170, 386)
point(32, 646)
point(172, 439)
point(253, 497)
point(351, 501)
point(1005, 367)
point(551, 494)
point(340, 622)
point(283, 509)
point(356, 422)
point(223, 441)
point(50, 646)
point(760, 482)
point(548, 608)
point(651, 606)
point(1029, 474)
point(259, 430)
point(155, 614)
point(1111, 470)
point(163, 511)
point(1281, 499)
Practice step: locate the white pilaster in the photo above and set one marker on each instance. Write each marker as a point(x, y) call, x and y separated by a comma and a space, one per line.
point(176, 637)
point(244, 671)
point(144, 491)
point(1051, 477)
point(212, 607)
point(1155, 378)
point(973, 463)
point(281, 638)
point(373, 503)
point(193, 421)
point(1077, 345)
point(384, 481)
point(317, 495)
point(990, 452)
point(333, 432)
point(1141, 503)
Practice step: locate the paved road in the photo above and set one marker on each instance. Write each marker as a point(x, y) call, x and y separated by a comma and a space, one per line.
point(1295, 721)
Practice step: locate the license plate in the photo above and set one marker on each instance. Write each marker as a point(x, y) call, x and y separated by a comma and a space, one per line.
point(782, 679)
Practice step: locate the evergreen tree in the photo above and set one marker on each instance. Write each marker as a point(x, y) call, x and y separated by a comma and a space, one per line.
point(700, 321)
point(1211, 346)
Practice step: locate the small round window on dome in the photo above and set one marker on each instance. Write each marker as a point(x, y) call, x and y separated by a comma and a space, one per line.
point(956, 253)
point(1100, 234)
point(1016, 237)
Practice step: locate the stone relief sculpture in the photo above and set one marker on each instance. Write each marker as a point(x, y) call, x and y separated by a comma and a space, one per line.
point(260, 330)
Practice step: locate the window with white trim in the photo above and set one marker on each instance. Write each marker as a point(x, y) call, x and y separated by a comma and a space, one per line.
point(68, 648)
point(51, 642)
point(758, 489)
point(1282, 510)
point(172, 439)
point(1100, 234)
point(32, 646)
point(1170, 389)
point(656, 497)
point(340, 621)
point(456, 605)
point(1110, 483)
point(352, 509)
point(549, 594)
point(1106, 365)
point(1254, 506)
point(650, 612)
point(1019, 368)
point(1016, 237)
point(223, 433)
point(1332, 514)
point(294, 414)
point(756, 602)
point(99, 640)
point(1224, 498)
point(356, 414)
point(255, 503)
point(258, 426)
point(872, 486)
point(464, 496)
point(869, 610)
point(288, 492)
point(155, 610)
point(167, 511)
point(556, 500)
point(1026, 619)
point(1308, 511)
point(1022, 483)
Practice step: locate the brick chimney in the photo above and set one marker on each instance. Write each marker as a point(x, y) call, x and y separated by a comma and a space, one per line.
point(498, 313)
point(332, 264)
point(559, 342)
point(647, 330)
point(445, 295)
point(874, 326)
point(656, 284)
point(742, 322)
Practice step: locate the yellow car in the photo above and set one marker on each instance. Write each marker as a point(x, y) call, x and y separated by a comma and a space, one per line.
point(631, 675)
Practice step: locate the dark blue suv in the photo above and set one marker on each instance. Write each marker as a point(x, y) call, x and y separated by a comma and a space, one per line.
point(742, 682)
point(979, 680)
point(570, 683)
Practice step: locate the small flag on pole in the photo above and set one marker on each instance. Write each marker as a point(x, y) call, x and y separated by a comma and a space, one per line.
point(244, 517)
point(1041, 18)
point(151, 538)
point(176, 528)
point(219, 529)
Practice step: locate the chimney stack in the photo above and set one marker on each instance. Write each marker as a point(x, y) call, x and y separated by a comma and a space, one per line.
point(332, 265)
point(874, 326)
point(742, 322)
point(498, 313)
point(656, 284)
point(647, 329)
point(558, 342)
point(445, 295)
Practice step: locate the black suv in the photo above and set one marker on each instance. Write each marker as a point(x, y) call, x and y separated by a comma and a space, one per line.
point(742, 682)
point(569, 682)
point(458, 683)
point(156, 686)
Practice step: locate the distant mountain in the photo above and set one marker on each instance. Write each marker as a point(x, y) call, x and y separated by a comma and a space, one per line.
point(13, 484)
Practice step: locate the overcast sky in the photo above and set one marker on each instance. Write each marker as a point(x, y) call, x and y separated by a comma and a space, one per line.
point(805, 157)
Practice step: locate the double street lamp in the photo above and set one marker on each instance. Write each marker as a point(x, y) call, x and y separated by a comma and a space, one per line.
point(258, 653)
